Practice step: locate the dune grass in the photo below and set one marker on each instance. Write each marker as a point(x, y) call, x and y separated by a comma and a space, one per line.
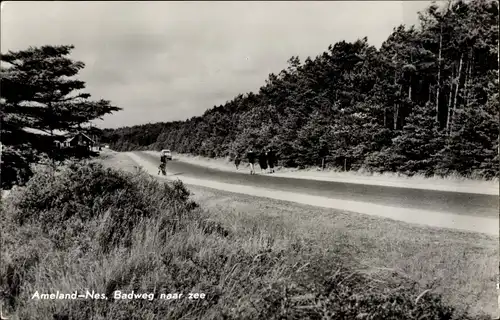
point(86, 227)
point(459, 265)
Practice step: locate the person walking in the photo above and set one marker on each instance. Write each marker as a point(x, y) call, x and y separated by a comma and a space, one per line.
point(237, 161)
point(263, 160)
point(163, 164)
point(271, 159)
point(251, 160)
point(162, 168)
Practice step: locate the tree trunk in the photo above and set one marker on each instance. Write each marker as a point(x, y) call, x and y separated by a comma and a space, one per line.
point(456, 93)
point(448, 118)
point(52, 140)
point(458, 81)
point(409, 90)
point(450, 99)
point(385, 117)
point(396, 106)
point(439, 73)
point(429, 98)
point(396, 109)
point(466, 83)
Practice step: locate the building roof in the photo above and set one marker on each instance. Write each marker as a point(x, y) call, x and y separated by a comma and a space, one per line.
point(59, 134)
point(80, 133)
point(37, 131)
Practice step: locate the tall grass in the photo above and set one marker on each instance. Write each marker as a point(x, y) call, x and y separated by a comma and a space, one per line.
point(83, 227)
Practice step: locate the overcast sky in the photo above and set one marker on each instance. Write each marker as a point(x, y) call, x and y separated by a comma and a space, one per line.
point(164, 61)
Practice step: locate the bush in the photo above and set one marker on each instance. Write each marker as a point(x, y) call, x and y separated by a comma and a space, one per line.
point(82, 209)
point(65, 201)
point(383, 161)
point(15, 166)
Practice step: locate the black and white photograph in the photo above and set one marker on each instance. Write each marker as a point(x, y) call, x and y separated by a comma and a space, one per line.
point(321, 160)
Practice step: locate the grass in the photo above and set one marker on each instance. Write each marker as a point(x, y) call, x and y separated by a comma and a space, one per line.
point(86, 227)
point(460, 266)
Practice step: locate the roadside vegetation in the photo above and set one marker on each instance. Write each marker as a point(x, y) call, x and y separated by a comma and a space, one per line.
point(85, 227)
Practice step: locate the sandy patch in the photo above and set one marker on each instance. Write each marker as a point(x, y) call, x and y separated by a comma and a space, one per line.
point(416, 216)
point(417, 182)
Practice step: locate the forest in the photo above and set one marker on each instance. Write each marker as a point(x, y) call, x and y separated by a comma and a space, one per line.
point(425, 102)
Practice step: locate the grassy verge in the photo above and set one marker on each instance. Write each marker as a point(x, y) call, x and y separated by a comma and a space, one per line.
point(86, 227)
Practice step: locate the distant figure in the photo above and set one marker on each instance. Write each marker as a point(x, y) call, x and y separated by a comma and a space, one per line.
point(263, 160)
point(251, 160)
point(237, 161)
point(163, 164)
point(271, 160)
point(162, 168)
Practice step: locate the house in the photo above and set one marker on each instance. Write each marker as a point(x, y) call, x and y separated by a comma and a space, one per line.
point(64, 139)
point(56, 136)
point(78, 140)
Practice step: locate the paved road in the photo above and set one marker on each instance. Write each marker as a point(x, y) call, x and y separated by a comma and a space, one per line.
point(443, 201)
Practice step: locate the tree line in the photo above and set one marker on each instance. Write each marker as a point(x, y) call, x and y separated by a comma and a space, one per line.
point(425, 102)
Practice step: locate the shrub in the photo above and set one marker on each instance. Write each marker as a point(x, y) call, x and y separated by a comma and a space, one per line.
point(64, 201)
point(83, 209)
point(15, 166)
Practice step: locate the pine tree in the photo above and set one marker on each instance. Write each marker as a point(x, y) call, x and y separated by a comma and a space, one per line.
point(39, 92)
point(311, 143)
point(416, 149)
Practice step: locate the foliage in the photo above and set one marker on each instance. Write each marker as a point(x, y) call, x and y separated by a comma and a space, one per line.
point(40, 98)
point(63, 202)
point(84, 208)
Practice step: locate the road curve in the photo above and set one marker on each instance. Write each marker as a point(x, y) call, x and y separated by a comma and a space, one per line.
point(478, 205)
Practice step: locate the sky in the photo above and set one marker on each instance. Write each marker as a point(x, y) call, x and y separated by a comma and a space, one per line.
point(167, 61)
